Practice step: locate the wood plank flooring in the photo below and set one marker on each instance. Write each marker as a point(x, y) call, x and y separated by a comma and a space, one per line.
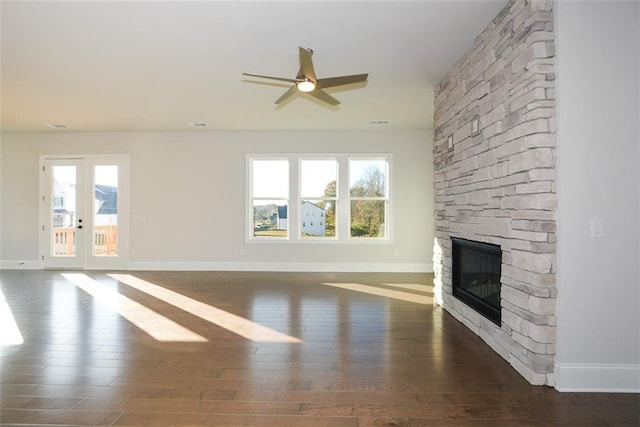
point(273, 349)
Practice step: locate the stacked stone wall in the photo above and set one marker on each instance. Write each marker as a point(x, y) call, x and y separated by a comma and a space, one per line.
point(495, 179)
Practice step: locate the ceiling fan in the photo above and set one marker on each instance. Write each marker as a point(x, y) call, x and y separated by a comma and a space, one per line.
point(307, 82)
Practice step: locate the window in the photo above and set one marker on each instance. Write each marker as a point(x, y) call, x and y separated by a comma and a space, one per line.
point(318, 195)
point(349, 195)
point(368, 197)
point(58, 221)
point(270, 198)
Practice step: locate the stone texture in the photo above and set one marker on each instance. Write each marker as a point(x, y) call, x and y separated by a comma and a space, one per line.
point(498, 186)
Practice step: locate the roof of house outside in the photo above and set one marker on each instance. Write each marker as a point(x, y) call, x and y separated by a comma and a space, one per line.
point(109, 197)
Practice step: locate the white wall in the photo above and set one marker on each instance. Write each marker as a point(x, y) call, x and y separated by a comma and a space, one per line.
point(187, 198)
point(598, 158)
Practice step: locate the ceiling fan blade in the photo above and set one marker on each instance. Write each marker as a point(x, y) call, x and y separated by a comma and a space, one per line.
point(288, 94)
point(324, 96)
point(306, 64)
point(263, 76)
point(341, 80)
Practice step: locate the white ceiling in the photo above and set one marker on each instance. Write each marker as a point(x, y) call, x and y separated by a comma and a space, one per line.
point(158, 65)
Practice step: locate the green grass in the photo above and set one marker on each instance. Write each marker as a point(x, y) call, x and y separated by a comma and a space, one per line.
point(270, 233)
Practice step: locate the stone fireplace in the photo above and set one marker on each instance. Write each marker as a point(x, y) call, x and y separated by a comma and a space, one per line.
point(495, 181)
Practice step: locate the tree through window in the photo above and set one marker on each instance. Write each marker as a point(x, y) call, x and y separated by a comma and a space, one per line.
point(368, 197)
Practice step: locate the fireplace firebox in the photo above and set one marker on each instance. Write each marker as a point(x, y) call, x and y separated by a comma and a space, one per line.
point(476, 274)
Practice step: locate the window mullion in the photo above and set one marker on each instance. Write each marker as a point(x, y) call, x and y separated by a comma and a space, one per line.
point(294, 198)
point(343, 204)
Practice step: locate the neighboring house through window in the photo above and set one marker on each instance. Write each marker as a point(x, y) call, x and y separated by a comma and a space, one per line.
point(318, 195)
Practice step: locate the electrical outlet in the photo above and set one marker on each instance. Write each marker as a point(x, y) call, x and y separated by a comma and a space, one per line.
point(597, 229)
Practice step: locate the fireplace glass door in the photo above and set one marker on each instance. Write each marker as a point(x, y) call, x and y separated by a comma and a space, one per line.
point(476, 276)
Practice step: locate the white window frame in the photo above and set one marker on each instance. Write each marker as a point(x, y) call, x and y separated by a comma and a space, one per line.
point(343, 199)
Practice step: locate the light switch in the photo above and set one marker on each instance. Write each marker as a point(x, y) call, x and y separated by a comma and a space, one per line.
point(597, 229)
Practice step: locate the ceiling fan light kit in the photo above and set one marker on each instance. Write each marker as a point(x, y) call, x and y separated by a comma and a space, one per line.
point(307, 82)
point(306, 85)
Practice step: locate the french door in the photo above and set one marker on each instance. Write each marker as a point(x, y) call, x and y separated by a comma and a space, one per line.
point(85, 212)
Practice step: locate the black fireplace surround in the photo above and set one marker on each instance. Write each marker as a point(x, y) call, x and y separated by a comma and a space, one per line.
point(476, 274)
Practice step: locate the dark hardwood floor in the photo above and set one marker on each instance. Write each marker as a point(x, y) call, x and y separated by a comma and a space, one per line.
point(277, 349)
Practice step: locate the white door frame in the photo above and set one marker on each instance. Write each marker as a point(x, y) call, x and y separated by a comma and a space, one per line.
point(88, 261)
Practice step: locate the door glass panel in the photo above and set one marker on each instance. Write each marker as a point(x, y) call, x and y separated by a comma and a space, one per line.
point(105, 219)
point(63, 213)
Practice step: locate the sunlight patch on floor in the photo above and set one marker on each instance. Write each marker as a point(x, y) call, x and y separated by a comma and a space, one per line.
point(154, 324)
point(409, 286)
point(9, 333)
point(382, 292)
point(236, 324)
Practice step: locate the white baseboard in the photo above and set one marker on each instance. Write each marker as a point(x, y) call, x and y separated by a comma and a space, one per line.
point(597, 378)
point(275, 266)
point(21, 265)
point(248, 266)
